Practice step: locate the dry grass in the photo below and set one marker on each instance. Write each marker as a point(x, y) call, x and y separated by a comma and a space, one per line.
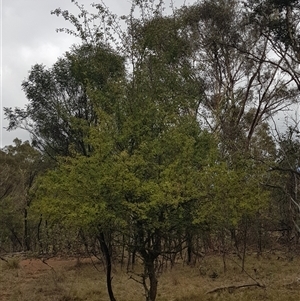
point(12, 263)
point(66, 280)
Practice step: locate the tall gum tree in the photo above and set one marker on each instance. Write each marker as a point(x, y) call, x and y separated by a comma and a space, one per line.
point(242, 89)
point(285, 185)
point(278, 22)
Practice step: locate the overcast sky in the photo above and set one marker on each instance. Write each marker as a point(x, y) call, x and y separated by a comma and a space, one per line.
point(28, 36)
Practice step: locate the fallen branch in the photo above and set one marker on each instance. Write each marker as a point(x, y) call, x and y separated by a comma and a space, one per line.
point(44, 261)
point(232, 288)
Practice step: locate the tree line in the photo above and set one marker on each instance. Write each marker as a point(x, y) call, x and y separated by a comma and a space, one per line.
point(159, 141)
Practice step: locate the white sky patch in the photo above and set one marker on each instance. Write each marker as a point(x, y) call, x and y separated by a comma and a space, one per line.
point(28, 37)
point(45, 54)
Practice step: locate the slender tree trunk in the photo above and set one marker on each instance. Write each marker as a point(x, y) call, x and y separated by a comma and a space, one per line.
point(133, 255)
point(39, 235)
point(245, 243)
point(106, 254)
point(189, 248)
point(259, 238)
point(123, 252)
point(235, 242)
point(129, 261)
point(26, 234)
point(223, 239)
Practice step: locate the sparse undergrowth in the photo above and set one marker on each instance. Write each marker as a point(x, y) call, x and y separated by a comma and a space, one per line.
point(11, 263)
point(66, 280)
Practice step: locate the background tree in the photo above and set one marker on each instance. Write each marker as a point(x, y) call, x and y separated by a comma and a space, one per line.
point(285, 184)
point(241, 92)
point(60, 111)
point(278, 21)
point(230, 199)
point(20, 166)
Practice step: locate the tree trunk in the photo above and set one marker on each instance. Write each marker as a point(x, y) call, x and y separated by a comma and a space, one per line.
point(26, 234)
point(39, 235)
point(189, 248)
point(244, 243)
point(152, 278)
point(106, 254)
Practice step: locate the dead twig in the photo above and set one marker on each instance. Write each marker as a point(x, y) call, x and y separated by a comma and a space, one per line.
point(231, 288)
point(134, 279)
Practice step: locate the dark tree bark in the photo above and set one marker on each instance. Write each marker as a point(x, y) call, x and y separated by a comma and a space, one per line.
point(150, 273)
point(106, 254)
point(152, 278)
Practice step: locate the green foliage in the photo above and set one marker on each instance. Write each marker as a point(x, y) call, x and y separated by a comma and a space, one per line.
point(160, 173)
point(60, 110)
point(230, 194)
point(277, 17)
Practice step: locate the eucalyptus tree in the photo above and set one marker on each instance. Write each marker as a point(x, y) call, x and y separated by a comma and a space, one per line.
point(278, 22)
point(242, 89)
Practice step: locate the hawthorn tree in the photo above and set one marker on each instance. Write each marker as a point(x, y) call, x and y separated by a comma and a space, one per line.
point(143, 170)
point(146, 155)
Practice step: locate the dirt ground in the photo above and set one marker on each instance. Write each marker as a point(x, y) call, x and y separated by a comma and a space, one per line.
point(16, 282)
point(74, 279)
point(35, 266)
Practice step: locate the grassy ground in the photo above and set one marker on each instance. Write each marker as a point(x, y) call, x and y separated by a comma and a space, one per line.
point(73, 280)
